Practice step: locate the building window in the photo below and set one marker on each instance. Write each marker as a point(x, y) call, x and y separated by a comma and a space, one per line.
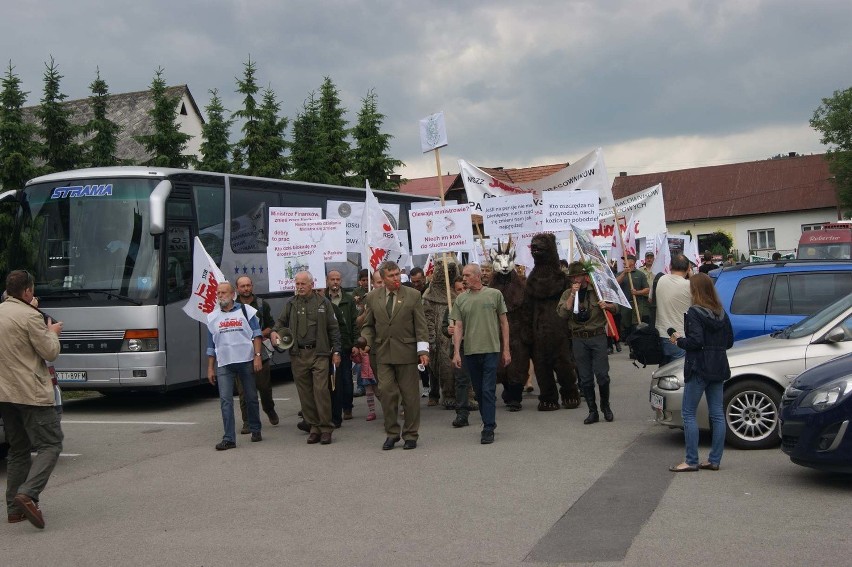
point(809, 227)
point(763, 239)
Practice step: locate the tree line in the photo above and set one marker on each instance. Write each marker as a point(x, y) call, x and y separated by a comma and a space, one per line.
point(319, 146)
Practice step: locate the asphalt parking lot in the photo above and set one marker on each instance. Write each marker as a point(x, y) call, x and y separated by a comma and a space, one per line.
point(139, 483)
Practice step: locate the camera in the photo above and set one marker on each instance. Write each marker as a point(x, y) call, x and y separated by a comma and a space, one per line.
point(582, 316)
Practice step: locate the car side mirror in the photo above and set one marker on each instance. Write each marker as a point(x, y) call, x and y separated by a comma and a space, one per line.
point(836, 335)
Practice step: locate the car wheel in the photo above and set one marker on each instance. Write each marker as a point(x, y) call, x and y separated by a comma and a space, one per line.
point(751, 415)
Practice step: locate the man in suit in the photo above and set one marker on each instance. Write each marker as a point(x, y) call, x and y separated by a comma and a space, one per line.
point(395, 330)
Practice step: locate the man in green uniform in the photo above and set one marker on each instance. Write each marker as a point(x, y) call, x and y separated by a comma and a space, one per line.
point(634, 284)
point(588, 338)
point(311, 319)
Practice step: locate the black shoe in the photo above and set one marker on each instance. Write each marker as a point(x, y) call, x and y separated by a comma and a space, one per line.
point(225, 445)
point(514, 406)
point(245, 430)
point(389, 443)
point(607, 413)
point(593, 417)
point(337, 424)
point(460, 421)
point(273, 417)
point(487, 437)
point(303, 426)
point(617, 347)
point(410, 444)
point(256, 436)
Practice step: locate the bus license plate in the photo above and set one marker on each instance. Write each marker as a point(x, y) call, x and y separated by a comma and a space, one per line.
point(74, 376)
point(657, 401)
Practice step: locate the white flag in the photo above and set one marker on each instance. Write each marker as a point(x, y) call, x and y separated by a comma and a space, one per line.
point(206, 277)
point(381, 243)
point(433, 132)
point(662, 254)
point(628, 238)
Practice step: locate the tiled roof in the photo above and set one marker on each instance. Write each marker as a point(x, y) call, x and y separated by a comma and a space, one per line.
point(758, 187)
point(427, 186)
point(130, 112)
point(524, 174)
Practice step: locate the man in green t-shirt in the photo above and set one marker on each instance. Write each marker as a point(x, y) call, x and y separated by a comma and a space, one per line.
point(480, 321)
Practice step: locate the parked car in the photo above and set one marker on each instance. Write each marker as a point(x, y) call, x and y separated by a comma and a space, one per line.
point(761, 368)
point(815, 413)
point(770, 296)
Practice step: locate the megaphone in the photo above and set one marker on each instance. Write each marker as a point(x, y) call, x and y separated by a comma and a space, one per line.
point(286, 340)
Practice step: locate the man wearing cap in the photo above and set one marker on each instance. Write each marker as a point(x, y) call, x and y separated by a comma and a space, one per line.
point(647, 267)
point(588, 338)
point(634, 284)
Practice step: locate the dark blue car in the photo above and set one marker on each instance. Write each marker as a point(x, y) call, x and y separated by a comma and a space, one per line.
point(815, 413)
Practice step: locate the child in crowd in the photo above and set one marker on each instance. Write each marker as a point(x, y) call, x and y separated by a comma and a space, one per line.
point(368, 379)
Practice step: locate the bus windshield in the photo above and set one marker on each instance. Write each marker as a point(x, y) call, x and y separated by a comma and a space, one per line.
point(87, 240)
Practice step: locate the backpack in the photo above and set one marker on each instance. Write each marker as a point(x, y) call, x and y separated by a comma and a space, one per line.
point(645, 347)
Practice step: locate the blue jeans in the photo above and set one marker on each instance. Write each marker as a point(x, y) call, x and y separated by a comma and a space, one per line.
point(483, 376)
point(670, 351)
point(691, 396)
point(225, 376)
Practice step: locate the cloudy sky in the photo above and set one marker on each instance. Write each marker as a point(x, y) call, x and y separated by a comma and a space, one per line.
point(659, 84)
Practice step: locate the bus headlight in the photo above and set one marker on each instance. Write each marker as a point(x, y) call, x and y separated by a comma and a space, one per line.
point(141, 340)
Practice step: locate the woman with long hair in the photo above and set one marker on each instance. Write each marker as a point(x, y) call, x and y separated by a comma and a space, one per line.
point(708, 335)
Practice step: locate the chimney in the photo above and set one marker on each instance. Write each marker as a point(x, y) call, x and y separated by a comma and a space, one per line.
point(622, 174)
point(791, 154)
point(395, 177)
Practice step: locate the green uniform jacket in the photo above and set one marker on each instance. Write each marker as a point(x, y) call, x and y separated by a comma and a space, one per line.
point(401, 338)
point(327, 341)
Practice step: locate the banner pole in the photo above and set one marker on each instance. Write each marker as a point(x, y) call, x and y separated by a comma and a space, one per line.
point(447, 281)
point(629, 278)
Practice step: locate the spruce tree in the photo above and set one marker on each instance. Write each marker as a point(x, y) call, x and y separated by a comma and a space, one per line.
point(371, 161)
point(272, 161)
point(215, 134)
point(17, 148)
point(333, 145)
point(167, 143)
point(305, 154)
point(59, 148)
point(100, 149)
point(252, 139)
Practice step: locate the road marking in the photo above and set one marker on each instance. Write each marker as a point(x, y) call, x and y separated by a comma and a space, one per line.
point(70, 454)
point(64, 421)
point(281, 399)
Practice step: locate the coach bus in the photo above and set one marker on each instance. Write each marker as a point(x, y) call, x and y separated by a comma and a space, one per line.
point(111, 253)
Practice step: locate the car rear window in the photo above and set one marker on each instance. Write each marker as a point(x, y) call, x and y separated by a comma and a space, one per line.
point(751, 295)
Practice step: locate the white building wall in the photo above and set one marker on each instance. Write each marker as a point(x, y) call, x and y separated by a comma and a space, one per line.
point(190, 123)
point(787, 226)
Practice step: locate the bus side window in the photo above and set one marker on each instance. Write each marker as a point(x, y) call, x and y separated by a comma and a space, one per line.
point(210, 212)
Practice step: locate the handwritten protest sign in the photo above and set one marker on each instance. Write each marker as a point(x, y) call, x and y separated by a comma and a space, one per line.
point(508, 215)
point(561, 209)
point(440, 229)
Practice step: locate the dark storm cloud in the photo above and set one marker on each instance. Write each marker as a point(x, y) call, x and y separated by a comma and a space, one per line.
point(519, 82)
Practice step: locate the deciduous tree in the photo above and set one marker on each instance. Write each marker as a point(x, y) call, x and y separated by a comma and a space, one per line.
point(833, 119)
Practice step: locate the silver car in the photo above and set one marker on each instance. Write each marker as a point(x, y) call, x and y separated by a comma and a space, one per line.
point(761, 368)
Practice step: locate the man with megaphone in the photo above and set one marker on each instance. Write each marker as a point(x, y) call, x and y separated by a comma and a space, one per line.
point(315, 336)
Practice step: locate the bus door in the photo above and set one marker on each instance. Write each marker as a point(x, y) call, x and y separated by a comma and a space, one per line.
point(183, 343)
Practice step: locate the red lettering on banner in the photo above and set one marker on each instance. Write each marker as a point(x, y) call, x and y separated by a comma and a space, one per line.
point(500, 185)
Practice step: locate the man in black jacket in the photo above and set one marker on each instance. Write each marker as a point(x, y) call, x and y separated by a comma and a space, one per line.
point(346, 312)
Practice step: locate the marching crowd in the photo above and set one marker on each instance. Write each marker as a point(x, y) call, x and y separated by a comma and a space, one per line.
point(458, 334)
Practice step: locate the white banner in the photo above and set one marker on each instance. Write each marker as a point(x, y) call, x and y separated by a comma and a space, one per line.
point(647, 209)
point(440, 229)
point(509, 215)
point(433, 132)
point(561, 209)
point(351, 212)
point(206, 276)
point(287, 253)
point(588, 173)
point(379, 239)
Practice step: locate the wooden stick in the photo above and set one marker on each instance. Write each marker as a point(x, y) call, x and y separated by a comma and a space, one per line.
point(447, 281)
point(629, 278)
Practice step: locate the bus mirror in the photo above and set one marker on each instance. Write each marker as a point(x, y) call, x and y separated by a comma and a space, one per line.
point(11, 194)
point(157, 206)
